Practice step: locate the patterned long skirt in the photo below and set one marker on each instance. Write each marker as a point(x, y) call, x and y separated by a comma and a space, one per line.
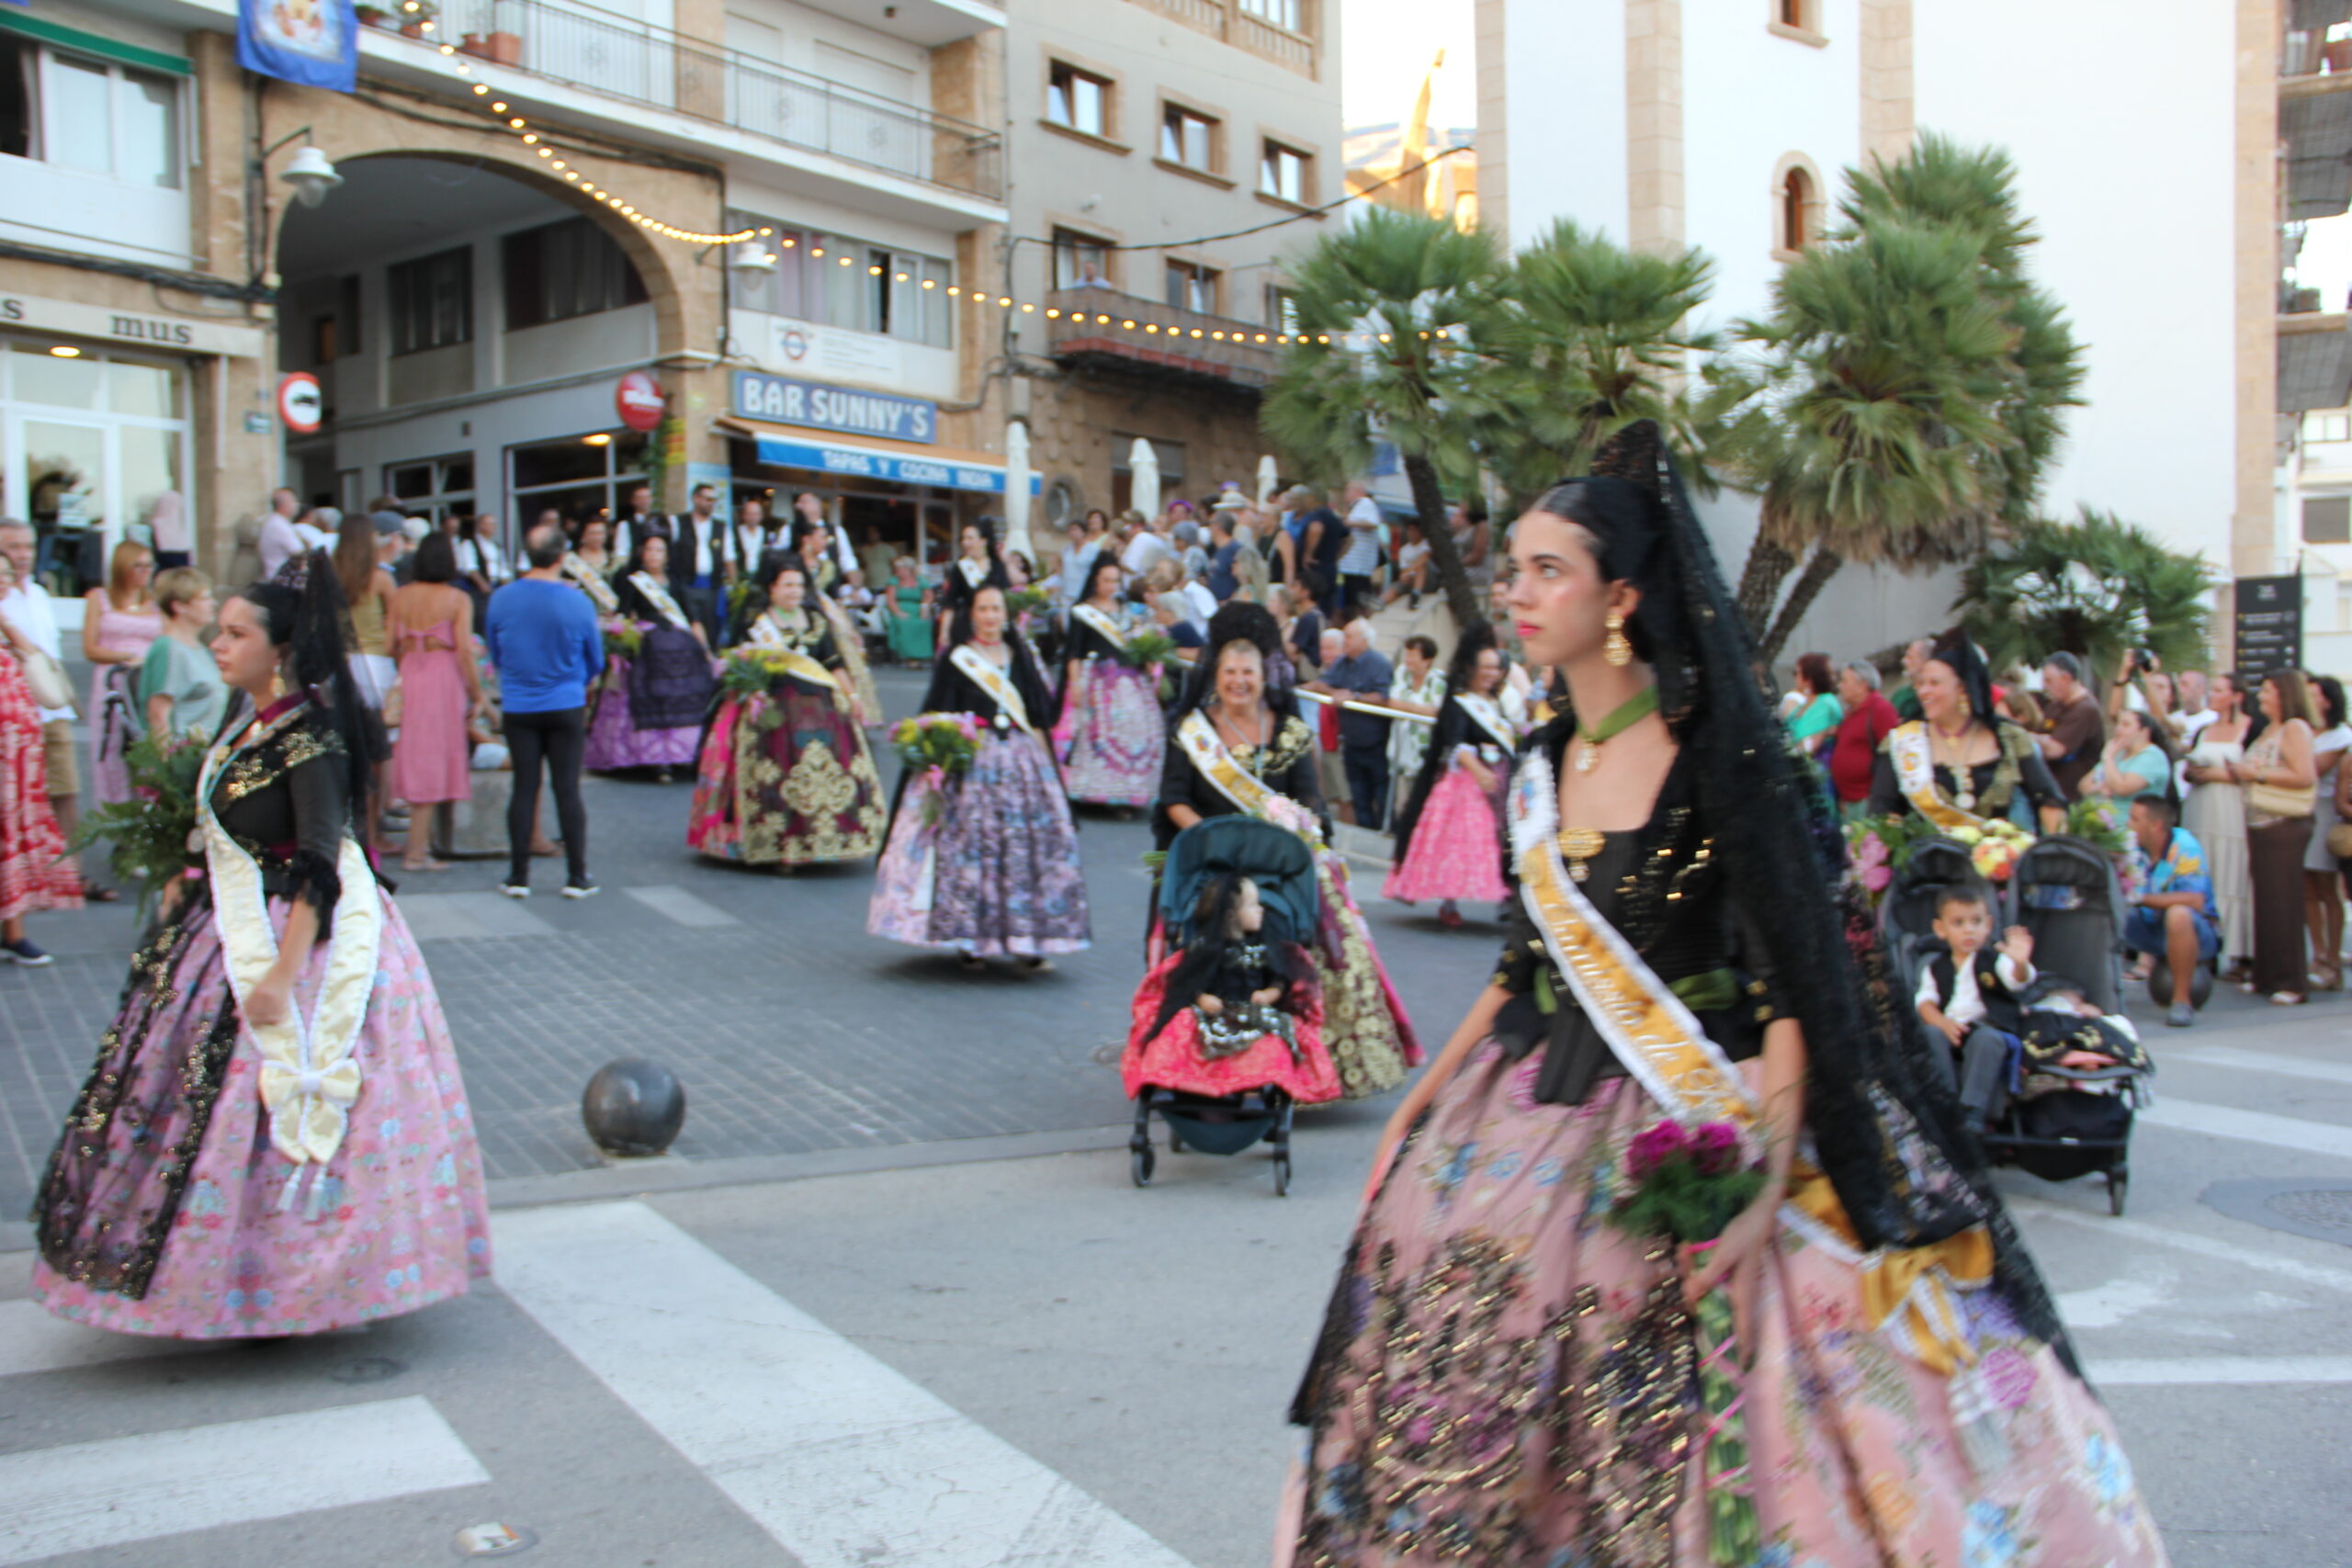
point(615, 741)
point(786, 779)
point(988, 863)
point(1172, 1058)
point(1117, 735)
point(34, 872)
point(164, 1210)
point(1370, 1035)
point(1457, 848)
point(1505, 1377)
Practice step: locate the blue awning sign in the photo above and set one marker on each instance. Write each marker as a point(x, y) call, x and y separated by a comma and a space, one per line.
point(895, 468)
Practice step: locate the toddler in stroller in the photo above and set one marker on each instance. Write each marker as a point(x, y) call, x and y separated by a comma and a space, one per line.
point(1227, 1029)
point(2081, 1075)
point(1969, 995)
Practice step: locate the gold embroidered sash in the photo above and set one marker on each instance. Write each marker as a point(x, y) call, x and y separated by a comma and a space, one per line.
point(1102, 624)
point(1663, 1048)
point(659, 597)
point(1915, 772)
point(591, 581)
point(1489, 717)
point(1216, 765)
point(995, 682)
point(310, 1074)
point(774, 640)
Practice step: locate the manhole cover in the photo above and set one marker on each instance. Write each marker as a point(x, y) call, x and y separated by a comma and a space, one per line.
point(2323, 1214)
point(2329, 1208)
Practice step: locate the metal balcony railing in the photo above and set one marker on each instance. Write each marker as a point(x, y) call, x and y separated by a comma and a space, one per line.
point(646, 64)
point(1163, 339)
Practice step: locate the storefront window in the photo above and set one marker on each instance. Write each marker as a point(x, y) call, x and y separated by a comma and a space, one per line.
point(432, 487)
point(43, 377)
point(87, 441)
point(153, 390)
point(578, 478)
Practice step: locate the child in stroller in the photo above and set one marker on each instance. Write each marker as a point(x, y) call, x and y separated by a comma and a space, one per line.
point(2081, 1075)
point(1969, 995)
point(1227, 1029)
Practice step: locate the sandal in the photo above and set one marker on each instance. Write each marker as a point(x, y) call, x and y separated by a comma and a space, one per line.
point(407, 864)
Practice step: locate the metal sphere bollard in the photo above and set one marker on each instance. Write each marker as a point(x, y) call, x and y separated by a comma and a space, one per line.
point(633, 1107)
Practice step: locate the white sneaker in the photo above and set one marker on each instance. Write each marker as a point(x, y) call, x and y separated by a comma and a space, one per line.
point(515, 889)
point(574, 890)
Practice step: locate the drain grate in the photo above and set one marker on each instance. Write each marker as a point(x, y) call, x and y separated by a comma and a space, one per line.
point(2323, 1214)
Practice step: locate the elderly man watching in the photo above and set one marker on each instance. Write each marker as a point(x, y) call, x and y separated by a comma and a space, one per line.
point(1905, 698)
point(2078, 730)
point(1361, 674)
point(1868, 719)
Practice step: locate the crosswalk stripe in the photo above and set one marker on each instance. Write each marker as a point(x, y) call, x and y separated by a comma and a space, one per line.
point(2187, 1241)
point(677, 904)
point(33, 1341)
point(441, 917)
point(2157, 1370)
point(842, 1460)
point(2251, 1126)
point(2263, 1062)
point(85, 1496)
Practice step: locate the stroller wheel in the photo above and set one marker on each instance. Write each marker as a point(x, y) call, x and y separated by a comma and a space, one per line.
point(2119, 1181)
point(1140, 1164)
point(1175, 1144)
point(1282, 1175)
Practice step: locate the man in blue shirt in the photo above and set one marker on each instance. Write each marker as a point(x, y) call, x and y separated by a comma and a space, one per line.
point(2174, 912)
point(543, 638)
point(1361, 674)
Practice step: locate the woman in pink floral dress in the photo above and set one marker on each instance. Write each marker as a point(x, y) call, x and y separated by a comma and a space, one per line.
point(1507, 1373)
point(1449, 835)
point(275, 1139)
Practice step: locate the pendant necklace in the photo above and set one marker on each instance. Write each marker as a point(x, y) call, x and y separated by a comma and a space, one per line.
point(1962, 777)
point(1632, 711)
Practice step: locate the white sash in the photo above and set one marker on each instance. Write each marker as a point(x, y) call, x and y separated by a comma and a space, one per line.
point(310, 1074)
point(1915, 772)
point(766, 633)
point(976, 572)
point(996, 682)
point(1490, 718)
point(1214, 762)
point(659, 597)
point(1103, 624)
point(591, 581)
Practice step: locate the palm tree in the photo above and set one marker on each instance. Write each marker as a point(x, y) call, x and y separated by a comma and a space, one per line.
point(1902, 401)
point(1413, 293)
point(2097, 587)
point(1595, 337)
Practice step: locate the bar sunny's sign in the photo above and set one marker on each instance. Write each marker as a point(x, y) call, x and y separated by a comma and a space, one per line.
point(847, 409)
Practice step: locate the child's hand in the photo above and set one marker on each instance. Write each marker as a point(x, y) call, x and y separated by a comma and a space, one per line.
point(1210, 1005)
point(1268, 997)
point(2016, 944)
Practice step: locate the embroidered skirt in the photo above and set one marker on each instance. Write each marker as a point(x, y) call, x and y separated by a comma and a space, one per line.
point(1456, 851)
point(786, 779)
point(164, 1209)
point(34, 872)
point(988, 863)
point(1365, 1025)
point(1172, 1058)
point(1117, 735)
point(615, 741)
point(1504, 1377)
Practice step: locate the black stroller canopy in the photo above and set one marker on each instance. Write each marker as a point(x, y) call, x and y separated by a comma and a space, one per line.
point(1276, 859)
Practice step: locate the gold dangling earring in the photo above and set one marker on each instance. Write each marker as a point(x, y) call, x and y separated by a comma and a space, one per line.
point(278, 685)
point(1617, 650)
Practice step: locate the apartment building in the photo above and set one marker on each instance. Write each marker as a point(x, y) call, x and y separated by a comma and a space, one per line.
point(1166, 156)
point(514, 266)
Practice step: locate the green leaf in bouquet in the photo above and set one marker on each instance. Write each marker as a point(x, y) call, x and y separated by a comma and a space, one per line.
point(623, 642)
point(1147, 649)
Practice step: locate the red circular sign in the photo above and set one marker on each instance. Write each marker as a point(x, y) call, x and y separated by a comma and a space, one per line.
point(640, 399)
point(299, 402)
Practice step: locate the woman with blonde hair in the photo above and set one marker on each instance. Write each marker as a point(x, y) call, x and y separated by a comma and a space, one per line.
point(180, 690)
point(118, 622)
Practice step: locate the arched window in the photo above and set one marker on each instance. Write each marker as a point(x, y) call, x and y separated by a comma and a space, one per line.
point(1797, 215)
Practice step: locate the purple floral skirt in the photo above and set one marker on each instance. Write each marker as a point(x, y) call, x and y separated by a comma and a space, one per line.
point(615, 741)
point(1117, 735)
point(998, 873)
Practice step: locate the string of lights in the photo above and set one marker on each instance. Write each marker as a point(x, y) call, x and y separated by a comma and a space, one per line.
point(502, 114)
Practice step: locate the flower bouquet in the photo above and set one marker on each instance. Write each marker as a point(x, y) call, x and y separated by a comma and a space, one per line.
point(940, 746)
point(153, 835)
point(749, 670)
point(1994, 849)
point(2088, 820)
point(1022, 601)
point(1878, 847)
point(1688, 1185)
point(623, 641)
point(1147, 650)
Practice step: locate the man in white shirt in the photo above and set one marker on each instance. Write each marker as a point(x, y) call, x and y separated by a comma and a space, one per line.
point(1077, 558)
point(2193, 699)
point(1362, 557)
point(810, 505)
point(280, 541)
point(1146, 550)
point(28, 608)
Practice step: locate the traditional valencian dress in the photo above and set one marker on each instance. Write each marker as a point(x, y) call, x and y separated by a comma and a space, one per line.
point(2012, 787)
point(648, 711)
point(961, 583)
point(218, 1180)
point(1449, 837)
point(785, 778)
point(1108, 720)
point(1365, 1027)
point(35, 871)
point(987, 863)
point(1505, 1377)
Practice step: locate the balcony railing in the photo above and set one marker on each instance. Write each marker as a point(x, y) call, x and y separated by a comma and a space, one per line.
point(1226, 19)
point(1106, 327)
point(645, 64)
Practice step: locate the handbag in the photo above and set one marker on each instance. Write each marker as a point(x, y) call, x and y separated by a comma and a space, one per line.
point(2340, 841)
point(2273, 800)
point(46, 676)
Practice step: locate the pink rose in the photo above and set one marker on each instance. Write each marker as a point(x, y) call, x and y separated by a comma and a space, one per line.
point(1876, 878)
point(1714, 1147)
point(1652, 1148)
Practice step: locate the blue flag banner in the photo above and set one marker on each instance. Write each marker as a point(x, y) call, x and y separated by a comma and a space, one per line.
point(312, 42)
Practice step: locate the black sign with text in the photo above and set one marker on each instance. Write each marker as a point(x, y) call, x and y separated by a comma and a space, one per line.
point(2270, 623)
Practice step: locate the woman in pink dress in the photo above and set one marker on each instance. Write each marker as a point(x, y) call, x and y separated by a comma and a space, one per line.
point(1448, 836)
point(35, 871)
point(432, 625)
point(275, 1138)
point(119, 624)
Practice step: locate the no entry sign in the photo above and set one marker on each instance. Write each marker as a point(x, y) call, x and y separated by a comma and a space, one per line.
point(638, 400)
point(299, 402)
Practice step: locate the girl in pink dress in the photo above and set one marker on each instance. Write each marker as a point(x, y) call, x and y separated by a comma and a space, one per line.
point(1448, 836)
point(433, 638)
point(118, 623)
point(275, 1139)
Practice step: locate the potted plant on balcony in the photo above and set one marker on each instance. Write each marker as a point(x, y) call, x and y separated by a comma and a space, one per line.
point(374, 16)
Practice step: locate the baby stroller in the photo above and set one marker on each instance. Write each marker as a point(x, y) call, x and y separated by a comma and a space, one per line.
point(2064, 1122)
point(1224, 1080)
point(1907, 916)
